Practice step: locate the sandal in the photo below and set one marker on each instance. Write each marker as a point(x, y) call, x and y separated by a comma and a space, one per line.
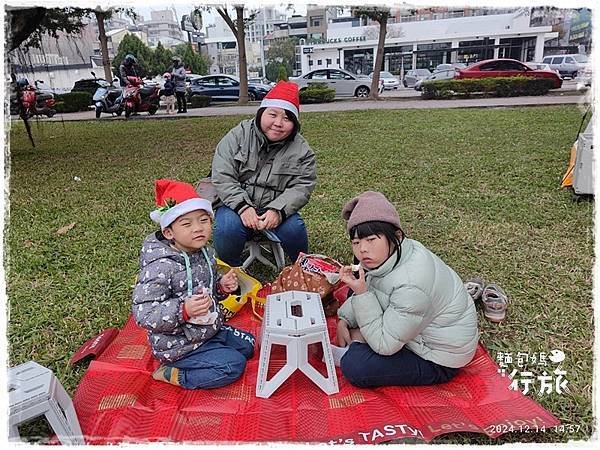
point(495, 302)
point(474, 287)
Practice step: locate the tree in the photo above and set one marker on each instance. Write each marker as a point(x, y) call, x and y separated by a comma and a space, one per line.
point(161, 60)
point(132, 44)
point(282, 52)
point(238, 29)
point(102, 15)
point(282, 74)
point(27, 25)
point(195, 62)
point(381, 16)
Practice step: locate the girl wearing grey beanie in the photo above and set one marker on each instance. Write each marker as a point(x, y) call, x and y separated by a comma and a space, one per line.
point(409, 320)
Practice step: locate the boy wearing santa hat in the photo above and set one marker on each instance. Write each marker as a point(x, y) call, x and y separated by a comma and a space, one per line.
point(177, 294)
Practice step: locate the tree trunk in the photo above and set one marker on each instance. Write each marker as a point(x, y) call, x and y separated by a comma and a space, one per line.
point(241, 41)
point(100, 16)
point(379, 59)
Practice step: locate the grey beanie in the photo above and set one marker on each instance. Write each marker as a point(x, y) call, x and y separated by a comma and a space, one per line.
point(370, 206)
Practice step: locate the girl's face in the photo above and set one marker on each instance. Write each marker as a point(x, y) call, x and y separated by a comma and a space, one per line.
point(275, 124)
point(372, 251)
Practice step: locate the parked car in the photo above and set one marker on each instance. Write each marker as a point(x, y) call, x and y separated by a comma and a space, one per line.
point(224, 87)
point(542, 66)
point(259, 80)
point(389, 80)
point(346, 84)
point(449, 66)
point(88, 85)
point(414, 75)
point(447, 74)
point(567, 65)
point(506, 68)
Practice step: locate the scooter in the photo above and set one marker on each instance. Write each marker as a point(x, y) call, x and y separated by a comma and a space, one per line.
point(33, 101)
point(107, 99)
point(139, 97)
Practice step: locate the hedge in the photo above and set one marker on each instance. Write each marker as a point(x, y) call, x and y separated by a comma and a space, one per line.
point(486, 87)
point(73, 102)
point(199, 101)
point(317, 93)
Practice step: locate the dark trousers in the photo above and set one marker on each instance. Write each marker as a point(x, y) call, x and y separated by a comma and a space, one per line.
point(362, 367)
point(181, 102)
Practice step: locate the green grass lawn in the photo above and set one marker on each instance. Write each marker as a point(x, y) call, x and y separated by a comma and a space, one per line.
point(479, 187)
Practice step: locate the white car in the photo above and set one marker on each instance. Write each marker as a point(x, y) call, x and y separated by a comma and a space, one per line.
point(437, 75)
point(542, 66)
point(413, 75)
point(346, 84)
point(389, 80)
point(567, 65)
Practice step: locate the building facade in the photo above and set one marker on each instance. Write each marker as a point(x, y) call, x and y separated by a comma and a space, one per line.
point(425, 44)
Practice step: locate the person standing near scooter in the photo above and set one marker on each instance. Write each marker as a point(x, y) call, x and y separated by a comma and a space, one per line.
point(180, 86)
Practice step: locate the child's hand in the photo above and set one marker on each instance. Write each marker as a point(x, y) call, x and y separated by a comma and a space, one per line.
point(343, 333)
point(198, 304)
point(229, 282)
point(358, 285)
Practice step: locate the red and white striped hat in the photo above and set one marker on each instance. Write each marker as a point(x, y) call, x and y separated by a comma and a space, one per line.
point(284, 95)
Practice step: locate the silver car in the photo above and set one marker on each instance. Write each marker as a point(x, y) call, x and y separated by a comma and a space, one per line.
point(346, 84)
point(389, 80)
point(437, 75)
point(414, 75)
point(567, 65)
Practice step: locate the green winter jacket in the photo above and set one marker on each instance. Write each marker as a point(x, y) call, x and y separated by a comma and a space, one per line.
point(247, 170)
point(420, 303)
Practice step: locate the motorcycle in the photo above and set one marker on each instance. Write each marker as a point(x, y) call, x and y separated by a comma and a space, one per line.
point(139, 97)
point(32, 100)
point(107, 99)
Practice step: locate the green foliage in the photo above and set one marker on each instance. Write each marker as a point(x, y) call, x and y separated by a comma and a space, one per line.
point(487, 87)
point(317, 93)
point(199, 101)
point(132, 44)
point(193, 61)
point(73, 102)
point(282, 52)
point(376, 13)
point(161, 60)
point(282, 75)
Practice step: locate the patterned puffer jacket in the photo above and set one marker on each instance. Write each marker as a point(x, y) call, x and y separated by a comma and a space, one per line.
point(158, 298)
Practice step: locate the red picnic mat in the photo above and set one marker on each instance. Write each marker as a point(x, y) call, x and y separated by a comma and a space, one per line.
point(118, 401)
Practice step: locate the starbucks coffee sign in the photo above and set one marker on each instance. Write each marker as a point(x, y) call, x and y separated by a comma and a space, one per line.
point(337, 40)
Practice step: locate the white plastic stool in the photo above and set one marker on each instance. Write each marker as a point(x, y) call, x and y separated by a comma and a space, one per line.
point(33, 390)
point(294, 319)
point(266, 241)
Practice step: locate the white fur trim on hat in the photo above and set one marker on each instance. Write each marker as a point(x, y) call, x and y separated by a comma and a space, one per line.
point(170, 215)
point(278, 103)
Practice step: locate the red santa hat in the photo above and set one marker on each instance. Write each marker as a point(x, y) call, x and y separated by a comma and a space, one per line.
point(284, 95)
point(174, 199)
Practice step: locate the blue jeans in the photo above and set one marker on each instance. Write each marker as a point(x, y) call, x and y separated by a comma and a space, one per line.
point(231, 235)
point(218, 362)
point(362, 367)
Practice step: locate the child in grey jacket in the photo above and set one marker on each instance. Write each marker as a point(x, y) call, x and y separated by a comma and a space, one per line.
point(176, 295)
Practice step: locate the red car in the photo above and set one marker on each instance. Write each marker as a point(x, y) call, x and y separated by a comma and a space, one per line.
point(506, 68)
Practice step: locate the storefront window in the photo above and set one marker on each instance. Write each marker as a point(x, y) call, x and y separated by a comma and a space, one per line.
point(359, 61)
point(473, 51)
point(397, 59)
point(522, 49)
point(430, 55)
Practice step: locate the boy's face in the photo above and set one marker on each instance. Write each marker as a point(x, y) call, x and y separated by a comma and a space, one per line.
point(191, 231)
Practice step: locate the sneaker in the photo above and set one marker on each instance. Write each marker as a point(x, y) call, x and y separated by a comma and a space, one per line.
point(495, 303)
point(474, 287)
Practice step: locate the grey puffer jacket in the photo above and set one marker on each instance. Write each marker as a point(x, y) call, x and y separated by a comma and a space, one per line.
point(179, 75)
point(421, 303)
point(160, 293)
point(248, 170)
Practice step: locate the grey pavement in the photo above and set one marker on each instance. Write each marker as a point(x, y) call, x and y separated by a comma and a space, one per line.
point(403, 98)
